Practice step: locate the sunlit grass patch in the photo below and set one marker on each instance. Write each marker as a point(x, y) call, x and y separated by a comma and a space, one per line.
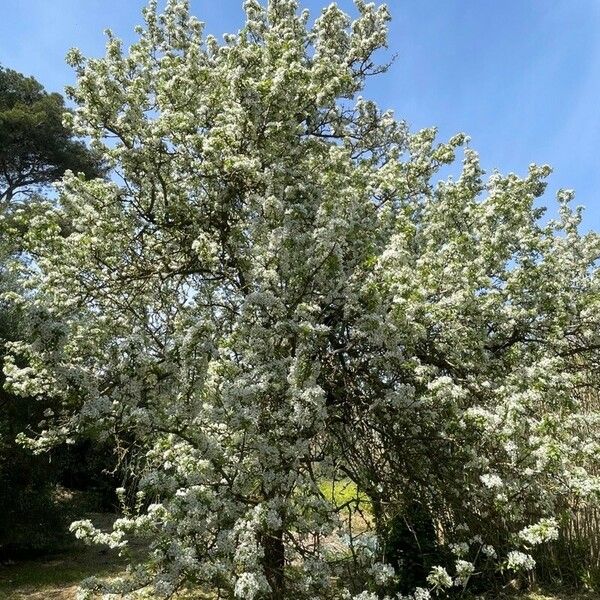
point(344, 493)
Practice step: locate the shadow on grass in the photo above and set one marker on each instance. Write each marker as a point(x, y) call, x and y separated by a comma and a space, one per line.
point(56, 577)
point(52, 576)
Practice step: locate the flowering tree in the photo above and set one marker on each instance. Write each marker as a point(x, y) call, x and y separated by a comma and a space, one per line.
point(272, 292)
point(35, 150)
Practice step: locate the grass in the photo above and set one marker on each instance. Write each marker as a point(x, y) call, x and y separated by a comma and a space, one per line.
point(55, 577)
point(560, 595)
point(343, 493)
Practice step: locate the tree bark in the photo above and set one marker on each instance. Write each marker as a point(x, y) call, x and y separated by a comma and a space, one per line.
point(274, 563)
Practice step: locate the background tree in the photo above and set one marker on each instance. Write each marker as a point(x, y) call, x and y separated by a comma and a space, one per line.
point(276, 291)
point(35, 146)
point(35, 150)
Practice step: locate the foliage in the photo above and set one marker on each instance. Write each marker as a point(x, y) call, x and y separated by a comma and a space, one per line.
point(277, 288)
point(411, 546)
point(35, 150)
point(35, 147)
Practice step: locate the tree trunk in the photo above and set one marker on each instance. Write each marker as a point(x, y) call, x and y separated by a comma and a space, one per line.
point(274, 563)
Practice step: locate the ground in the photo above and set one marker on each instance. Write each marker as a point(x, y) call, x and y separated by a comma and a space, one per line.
point(56, 578)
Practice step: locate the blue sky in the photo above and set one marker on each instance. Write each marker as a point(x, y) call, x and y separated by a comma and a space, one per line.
point(521, 77)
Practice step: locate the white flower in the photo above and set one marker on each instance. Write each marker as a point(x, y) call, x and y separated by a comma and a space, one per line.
point(491, 480)
point(247, 586)
point(545, 530)
point(439, 578)
point(382, 573)
point(464, 570)
point(460, 549)
point(519, 561)
point(365, 596)
point(421, 594)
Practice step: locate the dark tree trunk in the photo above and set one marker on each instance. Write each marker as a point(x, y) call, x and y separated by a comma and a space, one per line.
point(274, 563)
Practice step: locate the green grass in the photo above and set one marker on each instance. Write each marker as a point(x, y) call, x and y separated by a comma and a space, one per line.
point(344, 492)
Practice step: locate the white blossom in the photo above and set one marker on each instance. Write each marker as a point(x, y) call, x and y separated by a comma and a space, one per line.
point(438, 578)
point(519, 561)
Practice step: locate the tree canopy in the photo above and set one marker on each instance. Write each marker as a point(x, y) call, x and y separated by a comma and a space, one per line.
point(35, 147)
point(278, 289)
